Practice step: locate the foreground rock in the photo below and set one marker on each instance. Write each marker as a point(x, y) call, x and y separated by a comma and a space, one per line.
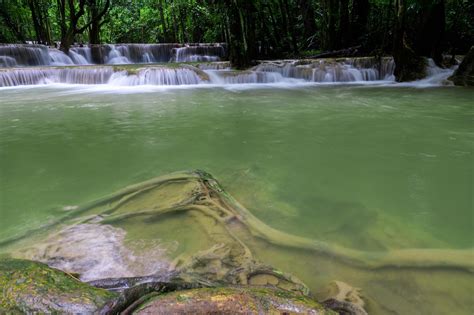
point(464, 75)
point(231, 300)
point(32, 287)
point(28, 287)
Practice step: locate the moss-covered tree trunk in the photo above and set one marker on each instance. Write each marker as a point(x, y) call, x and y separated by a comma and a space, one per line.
point(430, 36)
point(239, 15)
point(359, 16)
point(408, 65)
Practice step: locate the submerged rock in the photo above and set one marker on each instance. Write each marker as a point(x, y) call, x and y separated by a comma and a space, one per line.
point(344, 298)
point(223, 258)
point(29, 286)
point(464, 75)
point(231, 300)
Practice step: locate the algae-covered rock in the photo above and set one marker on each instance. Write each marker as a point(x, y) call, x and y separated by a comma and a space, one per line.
point(28, 286)
point(344, 298)
point(231, 300)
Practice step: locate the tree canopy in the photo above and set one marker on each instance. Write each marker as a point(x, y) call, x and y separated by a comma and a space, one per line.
point(253, 29)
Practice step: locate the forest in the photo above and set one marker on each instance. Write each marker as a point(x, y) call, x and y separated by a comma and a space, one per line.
point(260, 29)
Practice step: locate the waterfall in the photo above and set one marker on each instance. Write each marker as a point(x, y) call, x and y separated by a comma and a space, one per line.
point(156, 76)
point(435, 75)
point(58, 58)
point(147, 53)
point(13, 55)
point(198, 53)
point(289, 71)
point(6, 61)
point(333, 70)
point(78, 59)
point(115, 57)
point(244, 77)
point(26, 55)
point(101, 75)
point(83, 51)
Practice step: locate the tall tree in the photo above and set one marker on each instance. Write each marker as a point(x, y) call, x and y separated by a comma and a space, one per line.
point(70, 13)
point(239, 20)
point(96, 17)
point(408, 65)
point(309, 22)
point(429, 40)
point(40, 18)
point(359, 17)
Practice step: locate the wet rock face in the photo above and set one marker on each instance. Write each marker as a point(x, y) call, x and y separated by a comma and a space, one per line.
point(464, 75)
point(231, 300)
point(28, 287)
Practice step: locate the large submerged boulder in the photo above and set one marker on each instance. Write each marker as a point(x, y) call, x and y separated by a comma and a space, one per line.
point(464, 75)
point(224, 257)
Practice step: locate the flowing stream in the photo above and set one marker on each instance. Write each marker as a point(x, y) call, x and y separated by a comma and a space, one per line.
point(370, 168)
point(330, 150)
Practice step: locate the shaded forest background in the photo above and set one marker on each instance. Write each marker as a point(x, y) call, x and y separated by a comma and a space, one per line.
point(260, 28)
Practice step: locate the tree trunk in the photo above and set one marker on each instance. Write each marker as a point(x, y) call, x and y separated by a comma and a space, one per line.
point(309, 21)
point(69, 17)
point(94, 30)
point(430, 37)
point(408, 65)
point(39, 15)
point(359, 16)
point(292, 28)
point(239, 19)
point(163, 21)
point(344, 34)
point(330, 19)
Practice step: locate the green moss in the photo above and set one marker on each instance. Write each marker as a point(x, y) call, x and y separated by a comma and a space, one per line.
point(248, 299)
point(34, 287)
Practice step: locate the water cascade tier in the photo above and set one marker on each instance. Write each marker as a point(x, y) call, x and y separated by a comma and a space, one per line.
point(342, 70)
point(13, 55)
point(333, 70)
point(102, 75)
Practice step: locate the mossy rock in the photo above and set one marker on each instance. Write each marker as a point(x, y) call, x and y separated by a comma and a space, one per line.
point(464, 75)
point(29, 286)
point(231, 300)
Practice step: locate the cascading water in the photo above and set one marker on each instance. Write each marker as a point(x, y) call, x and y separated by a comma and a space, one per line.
point(333, 70)
point(115, 57)
point(198, 53)
point(13, 55)
point(285, 71)
point(25, 55)
point(83, 51)
point(58, 58)
point(101, 75)
point(246, 77)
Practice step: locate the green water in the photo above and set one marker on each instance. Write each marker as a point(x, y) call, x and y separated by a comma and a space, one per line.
point(366, 167)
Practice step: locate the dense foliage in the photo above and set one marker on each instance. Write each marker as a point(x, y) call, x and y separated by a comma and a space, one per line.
point(263, 28)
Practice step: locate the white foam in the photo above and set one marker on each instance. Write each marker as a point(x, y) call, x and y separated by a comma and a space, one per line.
point(98, 251)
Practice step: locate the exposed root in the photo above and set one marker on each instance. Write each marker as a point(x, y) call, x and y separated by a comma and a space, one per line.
point(209, 198)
